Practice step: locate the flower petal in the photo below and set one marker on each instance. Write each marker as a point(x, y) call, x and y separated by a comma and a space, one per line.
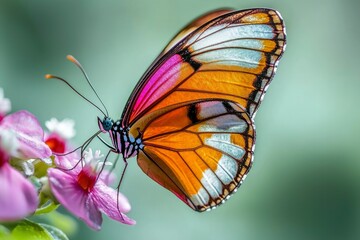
point(67, 191)
point(108, 177)
point(8, 142)
point(56, 143)
point(25, 122)
point(29, 134)
point(69, 161)
point(5, 104)
point(106, 200)
point(65, 128)
point(18, 197)
point(94, 218)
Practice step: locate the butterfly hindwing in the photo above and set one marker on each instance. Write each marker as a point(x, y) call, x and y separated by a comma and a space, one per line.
point(232, 57)
point(201, 151)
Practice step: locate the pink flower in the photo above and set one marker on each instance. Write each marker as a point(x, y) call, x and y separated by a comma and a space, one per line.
point(87, 196)
point(28, 133)
point(58, 138)
point(65, 128)
point(18, 197)
point(21, 136)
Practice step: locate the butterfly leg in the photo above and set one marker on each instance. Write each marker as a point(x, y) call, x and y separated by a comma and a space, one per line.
point(118, 187)
point(81, 148)
point(84, 146)
point(123, 173)
point(107, 144)
point(103, 165)
point(112, 168)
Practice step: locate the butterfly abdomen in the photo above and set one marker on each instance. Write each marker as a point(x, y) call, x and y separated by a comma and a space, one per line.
point(124, 142)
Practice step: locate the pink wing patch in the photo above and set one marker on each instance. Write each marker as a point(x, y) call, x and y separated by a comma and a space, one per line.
point(162, 80)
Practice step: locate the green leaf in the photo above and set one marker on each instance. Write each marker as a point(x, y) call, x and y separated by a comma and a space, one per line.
point(62, 221)
point(46, 208)
point(27, 230)
point(46, 203)
point(56, 233)
point(4, 233)
point(41, 168)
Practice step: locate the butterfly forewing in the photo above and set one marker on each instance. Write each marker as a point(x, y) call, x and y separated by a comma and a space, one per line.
point(232, 57)
point(200, 151)
point(195, 24)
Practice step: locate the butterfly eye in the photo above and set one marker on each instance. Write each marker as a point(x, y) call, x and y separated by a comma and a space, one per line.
point(105, 124)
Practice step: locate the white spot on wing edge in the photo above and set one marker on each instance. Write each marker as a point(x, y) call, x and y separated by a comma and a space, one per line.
point(244, 177)
point(279, 15)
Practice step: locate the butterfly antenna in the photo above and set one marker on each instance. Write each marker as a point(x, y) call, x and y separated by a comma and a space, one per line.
point(49, 76)
point(77, 63)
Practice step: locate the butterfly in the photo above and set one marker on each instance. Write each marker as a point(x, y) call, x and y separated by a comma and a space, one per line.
point(189, 120)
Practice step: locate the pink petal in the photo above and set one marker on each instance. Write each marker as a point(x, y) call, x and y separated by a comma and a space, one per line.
point(25, 122)
point(67, 191)
point(69, 161)
point(107, 177)
point(18, 197)
point(29, 134)
point(94, 218)
point(105, 198)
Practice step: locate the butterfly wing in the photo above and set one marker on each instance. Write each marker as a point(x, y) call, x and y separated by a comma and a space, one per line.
point(232, 57)
point(193, 26)
point(194, 106)
point(201, 151)
point(187, 30)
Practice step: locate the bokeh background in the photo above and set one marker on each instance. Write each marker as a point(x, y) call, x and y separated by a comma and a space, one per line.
point(305, 181)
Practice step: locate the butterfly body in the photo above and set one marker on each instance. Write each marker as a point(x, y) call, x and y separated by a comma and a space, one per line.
point(123, 142)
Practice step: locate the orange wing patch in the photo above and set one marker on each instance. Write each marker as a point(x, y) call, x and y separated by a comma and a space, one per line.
point(175, 140)
point(158, 174)
point(204, 155)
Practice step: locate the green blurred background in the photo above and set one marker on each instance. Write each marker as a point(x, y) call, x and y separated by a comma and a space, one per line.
point(305, 181)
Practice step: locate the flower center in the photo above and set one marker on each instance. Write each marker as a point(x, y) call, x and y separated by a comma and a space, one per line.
point(56, 144)
point(86, 179)
point(3, 157)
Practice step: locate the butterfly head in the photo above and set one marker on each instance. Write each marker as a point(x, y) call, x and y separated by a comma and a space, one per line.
point(105, 124)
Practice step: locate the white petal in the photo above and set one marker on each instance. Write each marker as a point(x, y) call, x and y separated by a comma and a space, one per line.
point(5, 104)
point(8, 141)
point(64, 128)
